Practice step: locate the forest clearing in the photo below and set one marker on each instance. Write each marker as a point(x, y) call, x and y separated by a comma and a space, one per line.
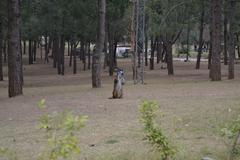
point(119, 80)
point(194, 109)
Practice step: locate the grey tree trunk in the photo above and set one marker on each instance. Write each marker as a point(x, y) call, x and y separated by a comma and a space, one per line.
point(30, 55)
point(89, 55)
point(14, 50)
point(62, 54)
point(169, 58)
point(215, 69)
point(200, 41)
point(111, 55)
point(153, 47)
point(188, 34)
point(55, 51)
point(225, 53)
point(74, 59)
point(96, 60)
point(1, 51)
point(238, 46)
point(146, 50)
point(231, 45)
point(46, 49)
point(24, 47)
point(5, 44)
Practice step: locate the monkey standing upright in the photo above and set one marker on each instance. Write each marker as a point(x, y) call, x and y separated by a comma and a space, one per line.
point(119, 81)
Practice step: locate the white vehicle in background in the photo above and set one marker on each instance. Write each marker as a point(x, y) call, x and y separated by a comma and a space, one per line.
point(122, 51)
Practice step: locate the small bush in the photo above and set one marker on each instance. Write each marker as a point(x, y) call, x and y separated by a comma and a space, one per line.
point(232, 133)
point(61, 129)
point(7, 154)
point(154, 135)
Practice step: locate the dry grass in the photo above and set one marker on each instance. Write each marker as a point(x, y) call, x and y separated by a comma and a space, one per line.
point(194, 108)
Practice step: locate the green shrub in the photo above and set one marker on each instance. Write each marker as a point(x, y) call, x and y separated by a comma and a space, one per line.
point(232, 133)
point(61, 129)
point(154, 135)
point(7, 154)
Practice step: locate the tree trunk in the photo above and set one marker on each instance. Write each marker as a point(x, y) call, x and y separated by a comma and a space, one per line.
point(105, 50)
point(62, 52)
point(115, 52)
point(188, 34)
point(89, 55)
point(215, 69)
point(225, 52)
point(153, 47)
point(96, 62)
point(69, 50)
point(55, 51)
point(71, 54)
point(238, 46)
point(14, 52)
point(146, 50)
point(159, 51)
point(30, 54)
point(81, 50)
point(46, 49)
point(84, 56)
point(111, 56)
point(74, 59)
point(231, 45)
point(5, 44)
point(169, 58)
point(1, 51)
point(34, 51)
point(200, 41)
point(24, 47)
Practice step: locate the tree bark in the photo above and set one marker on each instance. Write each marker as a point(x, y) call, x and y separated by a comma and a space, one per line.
point(71, 54)
point(200, 41)
point(146, 50)
point(24, 47)
point(34, 51)
point(1, 51)
point(30, 54)
point(69, 50)
point(5, 44)
point(159, 51)
point(46, 49)
point(238, 46)
point(55, 51)
point(96, 62)
point(74, 59)
point(225, 53)
point(215, 69)
point(231, 45)
point(14, 52)
point(89, 55)
point(111, 55)
point(62, 52)
point(153, 47)
point(188, 34)
point(169, 57)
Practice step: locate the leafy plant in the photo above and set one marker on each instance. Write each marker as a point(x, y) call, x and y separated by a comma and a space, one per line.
point(61, 131)
point(154, 134)
point(7, 154)
point(232, 133)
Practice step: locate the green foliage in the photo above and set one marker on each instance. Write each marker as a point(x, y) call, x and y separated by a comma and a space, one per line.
point(7, 154)
point(232, 133)
point(61, 129)
point(154, 135)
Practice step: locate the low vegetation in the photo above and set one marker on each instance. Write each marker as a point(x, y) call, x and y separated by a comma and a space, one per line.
point(153, 133)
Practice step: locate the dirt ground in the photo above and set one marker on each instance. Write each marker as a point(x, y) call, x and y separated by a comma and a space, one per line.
point(194, 108)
